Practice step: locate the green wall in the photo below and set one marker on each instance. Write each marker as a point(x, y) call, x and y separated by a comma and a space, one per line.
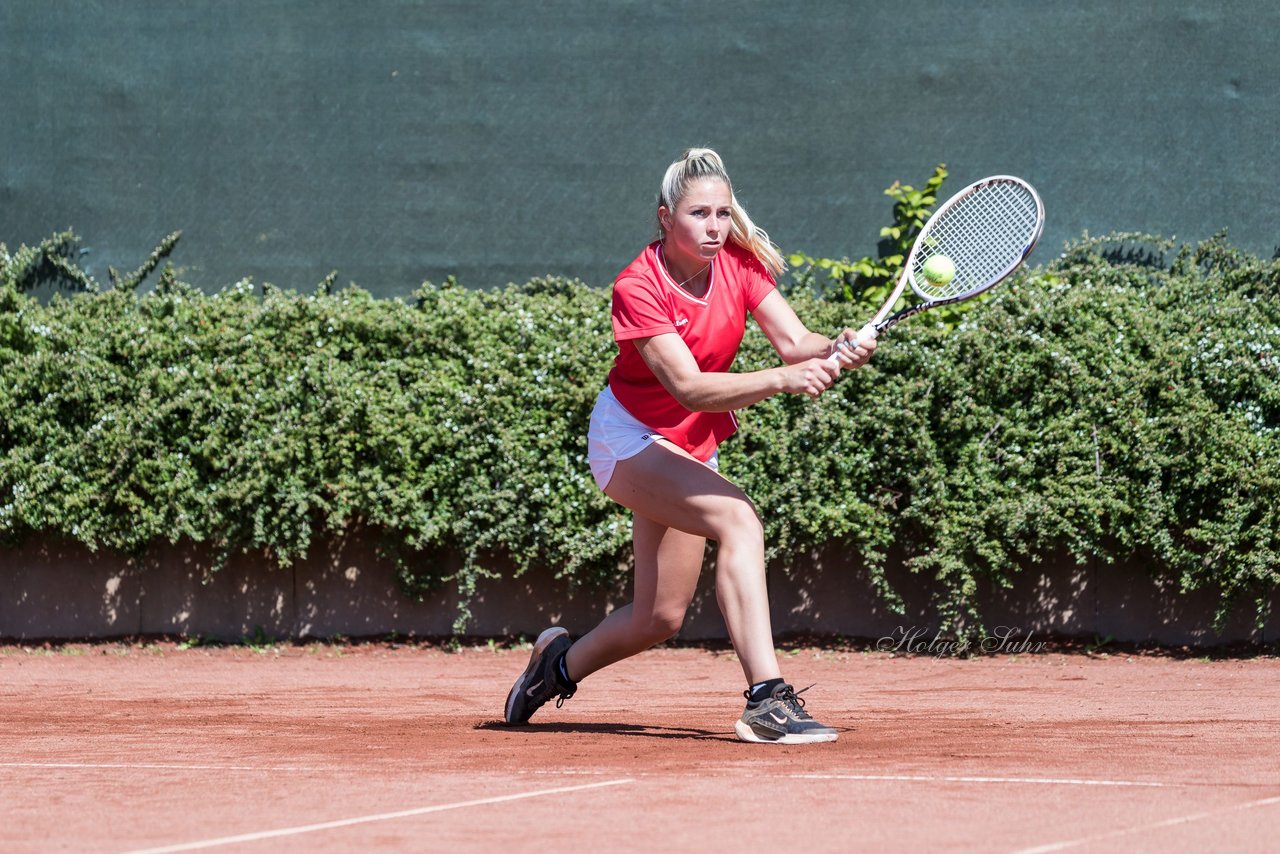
point(397, 141)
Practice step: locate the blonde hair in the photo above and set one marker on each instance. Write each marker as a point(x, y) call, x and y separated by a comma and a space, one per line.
point(698, 163)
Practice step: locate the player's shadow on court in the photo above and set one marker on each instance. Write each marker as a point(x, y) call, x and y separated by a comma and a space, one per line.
point(609, 729)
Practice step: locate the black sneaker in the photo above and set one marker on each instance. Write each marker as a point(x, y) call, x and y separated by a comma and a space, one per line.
point(541, 680)
point(781, 719)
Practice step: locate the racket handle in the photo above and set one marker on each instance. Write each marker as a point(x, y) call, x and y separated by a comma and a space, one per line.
point(866, 333)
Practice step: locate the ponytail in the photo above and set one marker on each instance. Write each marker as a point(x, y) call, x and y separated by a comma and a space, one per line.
point(698, 163)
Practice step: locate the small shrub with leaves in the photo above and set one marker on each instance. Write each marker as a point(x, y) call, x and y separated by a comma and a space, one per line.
point(870, 280)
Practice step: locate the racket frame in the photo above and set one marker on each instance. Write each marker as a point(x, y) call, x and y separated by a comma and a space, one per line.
point(881, 323)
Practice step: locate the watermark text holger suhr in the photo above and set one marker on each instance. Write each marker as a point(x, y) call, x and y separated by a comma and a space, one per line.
point(917, 641)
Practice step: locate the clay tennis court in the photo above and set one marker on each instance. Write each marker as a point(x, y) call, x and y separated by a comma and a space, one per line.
point(147, 746)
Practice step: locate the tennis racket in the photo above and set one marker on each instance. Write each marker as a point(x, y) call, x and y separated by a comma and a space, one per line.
point(986, 230)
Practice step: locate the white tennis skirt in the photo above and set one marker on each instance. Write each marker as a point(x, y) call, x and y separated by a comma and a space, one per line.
point(615, 434)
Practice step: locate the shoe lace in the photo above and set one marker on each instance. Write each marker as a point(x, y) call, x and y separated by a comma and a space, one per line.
point(565, 690)
point(790, 697)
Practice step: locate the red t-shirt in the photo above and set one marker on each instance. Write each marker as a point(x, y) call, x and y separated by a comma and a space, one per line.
point(647, 302)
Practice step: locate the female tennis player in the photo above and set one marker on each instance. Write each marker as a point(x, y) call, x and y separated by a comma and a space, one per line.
point(679, 314)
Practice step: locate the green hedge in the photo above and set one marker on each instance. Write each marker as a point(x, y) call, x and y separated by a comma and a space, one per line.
point(1119, 402)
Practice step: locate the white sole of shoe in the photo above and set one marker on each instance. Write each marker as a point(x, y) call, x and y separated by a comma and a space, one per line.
point(746, 733)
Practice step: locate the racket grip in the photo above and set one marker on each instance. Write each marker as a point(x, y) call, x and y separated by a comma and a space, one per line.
point(866, 333)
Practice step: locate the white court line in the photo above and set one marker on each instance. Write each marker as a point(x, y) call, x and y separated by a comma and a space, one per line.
point(1186, 819)
point(874, 778)
point(366, 819)
point(1030, 781)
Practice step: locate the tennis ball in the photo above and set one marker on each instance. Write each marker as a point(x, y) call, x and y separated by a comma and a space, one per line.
point(939, 270)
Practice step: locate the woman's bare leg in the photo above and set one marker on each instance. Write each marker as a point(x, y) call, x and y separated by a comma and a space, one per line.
point(668, 563)
point(671, 494)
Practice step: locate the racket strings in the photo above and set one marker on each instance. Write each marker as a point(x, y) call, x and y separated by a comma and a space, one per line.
point(984, 234)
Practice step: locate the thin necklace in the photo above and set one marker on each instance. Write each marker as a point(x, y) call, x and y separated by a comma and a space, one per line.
point(673, 278)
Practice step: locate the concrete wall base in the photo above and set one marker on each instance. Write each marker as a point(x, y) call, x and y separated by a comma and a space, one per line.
point(57, 590)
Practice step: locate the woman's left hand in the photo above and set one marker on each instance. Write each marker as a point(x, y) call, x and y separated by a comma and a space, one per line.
point(854, 349)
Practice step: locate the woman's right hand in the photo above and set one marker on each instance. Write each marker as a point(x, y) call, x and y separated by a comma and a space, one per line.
point(811, 377)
